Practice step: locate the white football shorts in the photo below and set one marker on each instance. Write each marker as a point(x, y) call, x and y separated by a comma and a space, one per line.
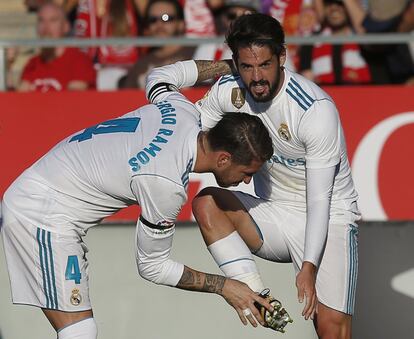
point(282, 229)
point(46, 269)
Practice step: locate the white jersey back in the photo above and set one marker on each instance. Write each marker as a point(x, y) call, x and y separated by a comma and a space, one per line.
point(144, 156)
point(306, 132)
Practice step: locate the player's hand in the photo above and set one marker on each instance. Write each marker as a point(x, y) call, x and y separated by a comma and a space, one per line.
point(305, 283)
point(242, 299)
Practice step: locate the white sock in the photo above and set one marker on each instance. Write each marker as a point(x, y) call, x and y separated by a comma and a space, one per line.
point(236, 261)
point(83, 329)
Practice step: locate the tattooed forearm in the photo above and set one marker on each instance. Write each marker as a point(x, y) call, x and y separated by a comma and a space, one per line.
point(214, 283)
point(187, 279)
point(208, 69)
point(197, 281)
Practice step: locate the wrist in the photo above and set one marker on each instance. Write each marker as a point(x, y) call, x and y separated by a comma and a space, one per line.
point(308, 266)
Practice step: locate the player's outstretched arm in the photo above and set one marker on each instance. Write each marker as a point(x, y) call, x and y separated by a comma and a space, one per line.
point(208, 69)
point(236, 293)
point(167, 79)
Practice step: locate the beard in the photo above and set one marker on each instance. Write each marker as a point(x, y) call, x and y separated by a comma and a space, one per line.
point(272, 89)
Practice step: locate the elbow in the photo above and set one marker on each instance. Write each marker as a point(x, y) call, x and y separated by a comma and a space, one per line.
point(150, 271)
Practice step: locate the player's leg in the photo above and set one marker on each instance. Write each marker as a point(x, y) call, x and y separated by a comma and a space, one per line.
point(229, 233)
point(232, 234)
point(332, 324)
point(72, 325)
point(49, 270)
point(336, 283)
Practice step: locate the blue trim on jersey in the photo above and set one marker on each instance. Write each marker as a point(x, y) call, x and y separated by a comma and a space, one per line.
point(304, 100)
point(48, 274)
point(185, 178)
point(257, 229)
point(228, 78)
point(45, 256)
point(42, 266)
point(302, 90)
point(353, 269)
point(52, 266)
point(297, 100)
point(297, 93)
point(231, 261)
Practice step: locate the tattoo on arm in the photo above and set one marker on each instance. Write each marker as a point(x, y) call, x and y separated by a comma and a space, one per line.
point(214, 283)
point(208, 69)
point(203, 282)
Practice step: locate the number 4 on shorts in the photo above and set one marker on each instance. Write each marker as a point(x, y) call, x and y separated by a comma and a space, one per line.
point(72, 269)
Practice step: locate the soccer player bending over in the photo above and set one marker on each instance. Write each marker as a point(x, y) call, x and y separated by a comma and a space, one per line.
point(143, 157)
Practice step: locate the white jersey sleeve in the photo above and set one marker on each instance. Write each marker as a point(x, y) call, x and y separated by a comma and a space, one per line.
point(161, 200)
point(165, 80)
point(320, 132)
point(210, 107)
point(319, 187)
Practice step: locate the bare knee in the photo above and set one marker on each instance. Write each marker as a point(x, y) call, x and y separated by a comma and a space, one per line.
point(213, 209)
point(60, 319)
point(206, 209)
point(332, 324)
point(204, 204)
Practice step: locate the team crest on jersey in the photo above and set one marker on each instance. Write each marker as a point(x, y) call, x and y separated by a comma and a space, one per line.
point(200, 102)
point(283, 132)
point(75, 298)
point(238, 97)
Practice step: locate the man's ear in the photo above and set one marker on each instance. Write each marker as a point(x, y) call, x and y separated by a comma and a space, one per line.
point(224, 159)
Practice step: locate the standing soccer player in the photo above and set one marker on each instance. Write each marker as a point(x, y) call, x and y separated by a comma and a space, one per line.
point(305, 211)
point(143, 157)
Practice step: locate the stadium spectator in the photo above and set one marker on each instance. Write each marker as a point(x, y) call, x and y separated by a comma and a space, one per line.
point(308, 21)
point(163, 19)
point(389, 63)
point(68, 5)
point(338, 64)
point(56, 68)
point(287, 12)
point(199, 17)
point(230, 10)
point(71, 9)
point(103, 19)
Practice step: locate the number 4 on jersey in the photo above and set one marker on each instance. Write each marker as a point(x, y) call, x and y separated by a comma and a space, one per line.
point(72, 269)
point(126, 125)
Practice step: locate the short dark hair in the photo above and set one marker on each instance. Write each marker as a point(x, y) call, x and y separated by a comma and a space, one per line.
point(178, 8)
point(255, 29)
point(243, 135)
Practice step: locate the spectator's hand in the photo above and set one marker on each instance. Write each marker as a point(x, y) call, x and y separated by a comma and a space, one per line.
point(305, 283)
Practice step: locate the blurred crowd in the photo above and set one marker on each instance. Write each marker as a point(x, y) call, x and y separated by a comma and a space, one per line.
point(117, 67)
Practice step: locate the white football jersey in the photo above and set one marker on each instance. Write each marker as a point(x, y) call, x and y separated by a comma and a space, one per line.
point(143, 157)
point(306, 131)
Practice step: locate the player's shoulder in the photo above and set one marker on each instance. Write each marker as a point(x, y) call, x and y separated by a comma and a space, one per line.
point(303, 92)
point(229, 88)
point(229, 81)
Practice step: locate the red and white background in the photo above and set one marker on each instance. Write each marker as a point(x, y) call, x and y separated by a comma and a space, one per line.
point(378, 124)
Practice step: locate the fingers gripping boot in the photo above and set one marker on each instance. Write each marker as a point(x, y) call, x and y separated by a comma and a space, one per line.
point(279, 318)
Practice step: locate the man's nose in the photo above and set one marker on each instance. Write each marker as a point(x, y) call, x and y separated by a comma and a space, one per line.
point(257, 74)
